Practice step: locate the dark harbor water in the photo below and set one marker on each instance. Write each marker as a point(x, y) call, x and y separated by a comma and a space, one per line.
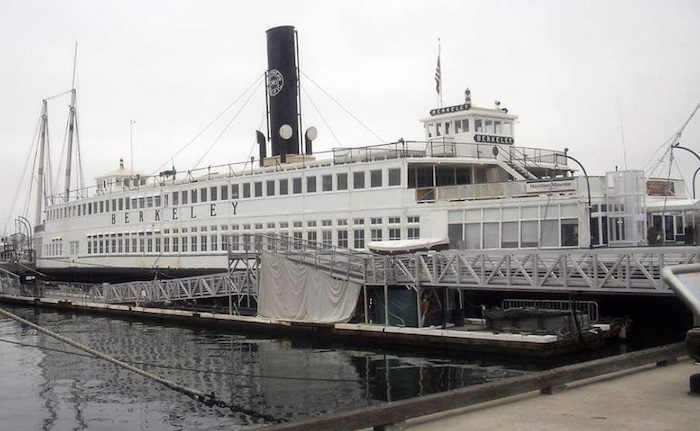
point(48, 385)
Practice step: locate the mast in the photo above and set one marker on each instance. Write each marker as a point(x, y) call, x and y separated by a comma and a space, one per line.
point(69, 155)
point(40, 172)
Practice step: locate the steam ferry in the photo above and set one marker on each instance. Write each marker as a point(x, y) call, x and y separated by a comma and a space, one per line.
point(467, 185)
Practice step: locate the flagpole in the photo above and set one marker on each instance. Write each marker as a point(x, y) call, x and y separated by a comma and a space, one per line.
point(439, 67)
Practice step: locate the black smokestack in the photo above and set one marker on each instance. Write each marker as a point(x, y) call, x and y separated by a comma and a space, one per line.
point(282, 90)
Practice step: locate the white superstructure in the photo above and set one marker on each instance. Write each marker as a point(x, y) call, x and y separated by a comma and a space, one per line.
point(467, 181)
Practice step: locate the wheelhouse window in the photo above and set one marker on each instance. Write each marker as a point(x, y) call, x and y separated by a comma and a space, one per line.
point(258, 189)
point(270, 185)
point(296, 185)
point(284, 186)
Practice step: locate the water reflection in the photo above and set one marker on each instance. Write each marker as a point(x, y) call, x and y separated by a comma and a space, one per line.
point(284, 379)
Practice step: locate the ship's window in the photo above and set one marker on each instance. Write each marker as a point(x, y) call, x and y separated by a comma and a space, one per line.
point(258, 189)
point(311, 184)
point(358, 221)
point(569, 232)
point(497, 127)
point(375, 178)
point(203, 242)
point(447, 128)
point(342, 180)
point(166, 245)
point(311, 223)
point(193, 197)
point(89, 207)
point(549, 233)
point(246, 190)
point(102, 206)
point(176, 198)
point(413, 219)
point(395, 177)
point(157, 200)
point(375, 220)
point(359, 238)
point(394, 234)
point(234, 191)
point(270, 185)
point(489, 126)
point(326, 222)
point(234, 227)
point(149, 245)
point(420, 176)
point(529, 233)
point(213, 193)
point(284, 186)
point(271, 225)
point(114, 204)
point(224, 192)
point(437, 129)
point(121, 203)
point(202, 195)
point(94, 207)
point(327, 183)
point(214, 242)
point(79, 211)
point(342, 238)
point(296, 185)
point(375, 234)
point(327, 238)
point(429, 130)
point(413, 233)
point(478, 128)
point(465, 125)
point(194, 243)
point(184, 244)
point(342, 222)
point(358, 180)
point(149, 202)
point(158, 241)
point(176, 244)
point(183, 197)
point(394, 220)
point(311, 236)
point(258, 226)
point(284, 225)
point(507, 128)
point(492, 235)
point(297, 224)
point(142, 181)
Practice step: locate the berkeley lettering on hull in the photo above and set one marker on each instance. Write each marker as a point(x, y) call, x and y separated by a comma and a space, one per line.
point(490, 139)
point(141, 215)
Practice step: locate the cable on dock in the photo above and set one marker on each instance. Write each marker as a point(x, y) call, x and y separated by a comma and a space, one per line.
point(207, 399)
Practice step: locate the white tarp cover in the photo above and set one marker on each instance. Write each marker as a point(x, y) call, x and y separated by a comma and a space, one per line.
point(292, 291)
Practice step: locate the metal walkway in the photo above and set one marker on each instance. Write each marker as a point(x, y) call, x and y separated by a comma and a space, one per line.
point(598, 271)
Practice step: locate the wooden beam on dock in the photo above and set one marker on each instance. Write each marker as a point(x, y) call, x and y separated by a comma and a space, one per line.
point(383, 416)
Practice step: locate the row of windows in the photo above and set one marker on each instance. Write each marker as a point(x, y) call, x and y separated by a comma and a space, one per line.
point(148, 243)
point(480, 125)
point(514, 234)
point(281, 187)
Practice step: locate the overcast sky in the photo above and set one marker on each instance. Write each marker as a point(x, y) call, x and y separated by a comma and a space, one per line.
point(578, 73)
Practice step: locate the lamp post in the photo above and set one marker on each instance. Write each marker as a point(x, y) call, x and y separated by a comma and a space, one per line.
point(678, 145)
point(588, 189)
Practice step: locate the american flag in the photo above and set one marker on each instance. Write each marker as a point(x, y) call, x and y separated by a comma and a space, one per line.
point(438, 76)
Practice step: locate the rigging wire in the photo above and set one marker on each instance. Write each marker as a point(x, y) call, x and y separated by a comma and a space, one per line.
point(24, 175)
point(228, 125)
point(308, 96)
point(343, 108)
point(256, 81)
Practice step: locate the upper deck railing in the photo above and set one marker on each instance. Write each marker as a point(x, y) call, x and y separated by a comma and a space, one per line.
point(444, 148)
